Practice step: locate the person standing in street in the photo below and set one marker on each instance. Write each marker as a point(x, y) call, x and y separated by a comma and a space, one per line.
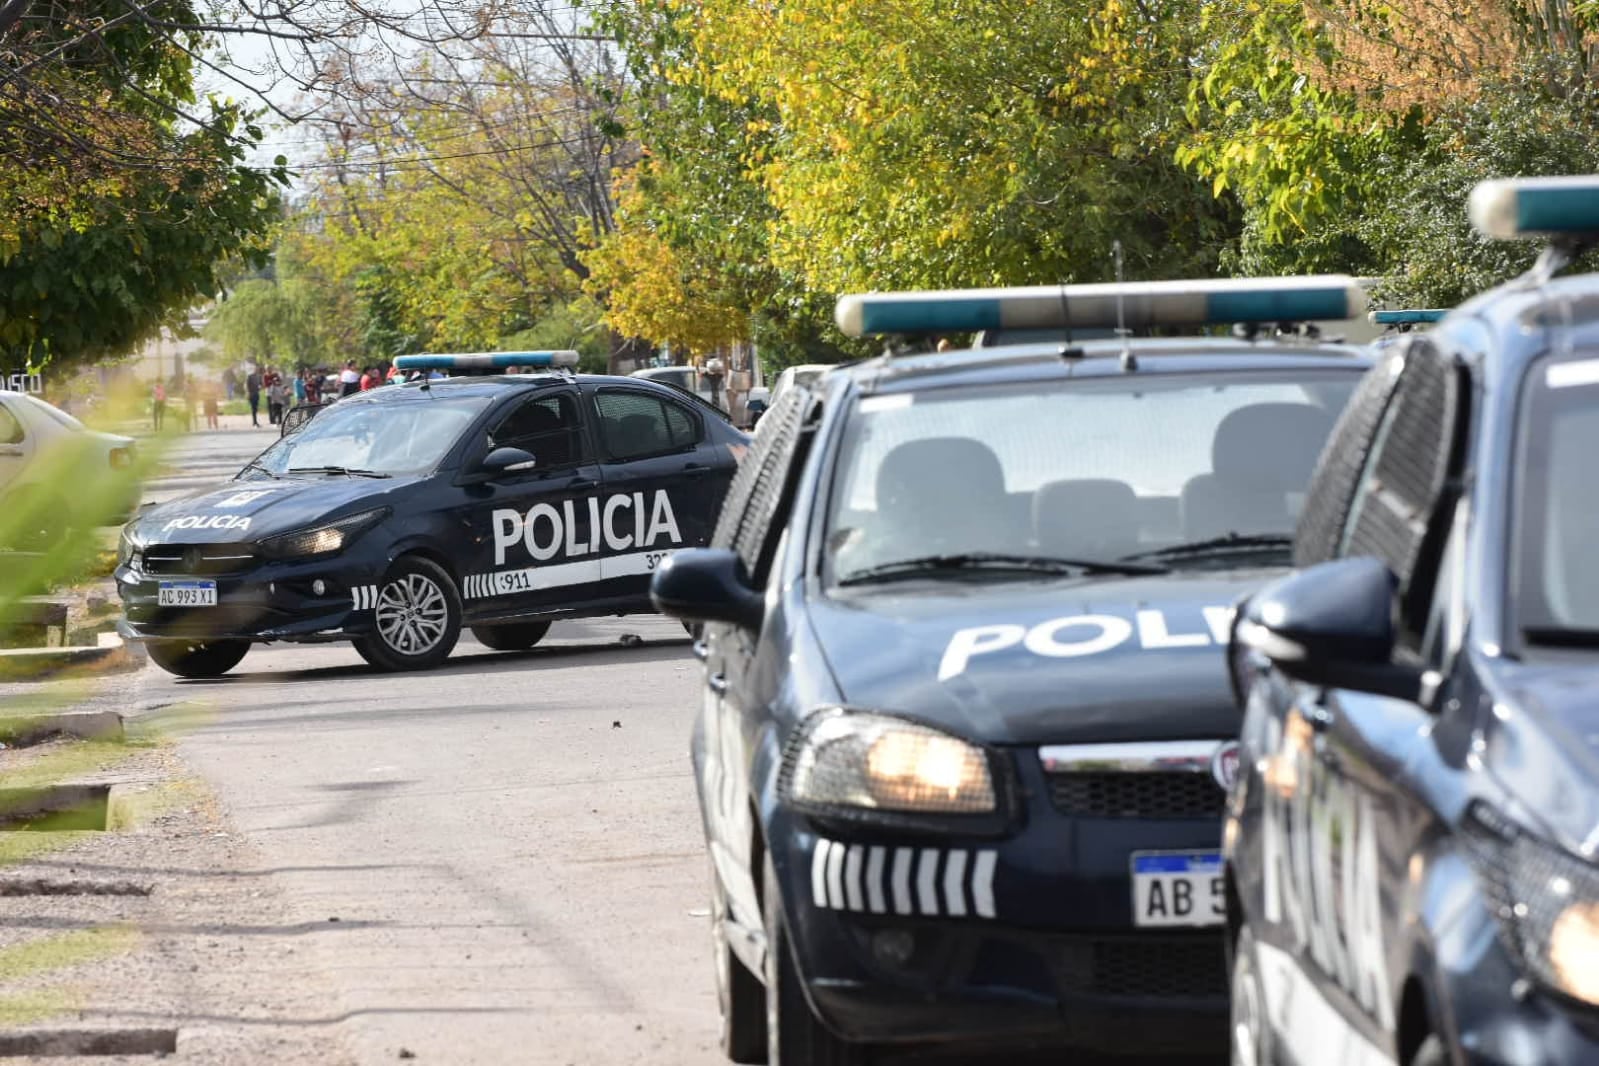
point(277, 399)
point(299, 388)
point(252, 388)
point(211, 405)
point(313, 386)
point(349, 380)
point(158, 405)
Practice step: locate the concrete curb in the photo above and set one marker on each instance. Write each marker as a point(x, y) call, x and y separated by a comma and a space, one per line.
point(43, 664)
point(22, 730)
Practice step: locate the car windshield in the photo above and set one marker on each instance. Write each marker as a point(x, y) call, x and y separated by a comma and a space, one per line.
point(1557, 522)
point(383, 437)
point(1192, 468)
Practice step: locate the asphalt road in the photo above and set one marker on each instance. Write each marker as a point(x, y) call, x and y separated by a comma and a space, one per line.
point(500, 860)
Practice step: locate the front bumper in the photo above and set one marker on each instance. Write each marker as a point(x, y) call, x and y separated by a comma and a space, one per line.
point(1020, 942)
point(267, 601)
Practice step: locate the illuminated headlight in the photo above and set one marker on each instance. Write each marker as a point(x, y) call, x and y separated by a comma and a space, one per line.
point(323, 540)
point(872, 761)
point(127, 549)
point(1547, 902)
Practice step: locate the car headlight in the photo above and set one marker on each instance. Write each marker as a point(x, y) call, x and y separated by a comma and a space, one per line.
point(1546, 899)
point(322, 540)
point(850, 759)
point(127, 548)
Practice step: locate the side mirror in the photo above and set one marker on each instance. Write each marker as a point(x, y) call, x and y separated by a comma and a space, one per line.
point(507, 460)
point(707, 585)
point(1333, 625)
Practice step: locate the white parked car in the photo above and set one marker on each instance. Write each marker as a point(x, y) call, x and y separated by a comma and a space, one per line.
point(803, 374)
point(31, 429)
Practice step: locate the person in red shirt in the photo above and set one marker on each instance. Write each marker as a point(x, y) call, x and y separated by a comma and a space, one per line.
point(366, 380)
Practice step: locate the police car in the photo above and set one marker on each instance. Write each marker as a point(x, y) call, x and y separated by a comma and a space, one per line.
point(1410, 848)
point(965, 722)
point(398, 515)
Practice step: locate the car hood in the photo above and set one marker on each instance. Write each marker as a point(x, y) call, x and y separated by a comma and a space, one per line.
point(253, 509)
point(1079, 661)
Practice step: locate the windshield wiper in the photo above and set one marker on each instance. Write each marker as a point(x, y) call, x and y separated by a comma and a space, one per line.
point(347, 471)
point(1232, 542)
point(1036, 564)
point(256, 464)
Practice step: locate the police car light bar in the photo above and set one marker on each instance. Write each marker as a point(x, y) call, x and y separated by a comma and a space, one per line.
point(1409, 317)
point(1536, 207)
point(1133, 304)
point(484, 360)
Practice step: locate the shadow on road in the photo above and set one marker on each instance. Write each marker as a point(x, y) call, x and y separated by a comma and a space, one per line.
point(470, 659)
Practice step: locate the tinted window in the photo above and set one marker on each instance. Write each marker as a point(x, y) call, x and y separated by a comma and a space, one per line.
point(1558, 523)
point(546, 426)
point(636, 424)
point(390, 438)
point(1092, 468)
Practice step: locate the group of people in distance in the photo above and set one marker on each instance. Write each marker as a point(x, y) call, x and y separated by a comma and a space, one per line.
point(311, 385)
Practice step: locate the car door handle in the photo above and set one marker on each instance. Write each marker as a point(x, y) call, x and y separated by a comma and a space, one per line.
point(696, 469)
point(701, 650)
point(10, 449)
point(717, 683)
point(581, 482)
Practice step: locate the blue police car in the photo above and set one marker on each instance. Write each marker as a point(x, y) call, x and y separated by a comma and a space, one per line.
point(965, 723)
point(398, 515)
point(1410, 847)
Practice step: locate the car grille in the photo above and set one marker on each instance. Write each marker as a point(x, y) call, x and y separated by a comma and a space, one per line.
point(1096, 794)
point(1192, 967)
point(197, 560)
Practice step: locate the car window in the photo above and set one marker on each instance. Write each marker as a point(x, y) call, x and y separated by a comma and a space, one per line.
point(10, 427)
point(1557, 524)
point(1093, 469)
point(1394, 513)
point(55, 414)
point(547, 426)
point(635, 425)
point(391, 438)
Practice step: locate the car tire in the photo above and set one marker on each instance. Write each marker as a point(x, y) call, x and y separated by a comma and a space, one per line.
point(794, 1035)
point(417, 619)
point(1250, 1040)
point(517, 636)
point(739, 993)
point(197, 658)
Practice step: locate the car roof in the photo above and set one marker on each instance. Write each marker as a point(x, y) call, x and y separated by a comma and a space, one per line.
point(1036, 362)
point(1525, 317)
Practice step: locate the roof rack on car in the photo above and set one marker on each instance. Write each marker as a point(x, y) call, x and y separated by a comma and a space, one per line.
point(1130, 305)
point(486, 362)
point(1562, 210)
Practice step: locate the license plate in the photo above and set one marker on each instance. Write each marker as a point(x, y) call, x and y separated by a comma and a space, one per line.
point(1178, 888)
point(187, 594)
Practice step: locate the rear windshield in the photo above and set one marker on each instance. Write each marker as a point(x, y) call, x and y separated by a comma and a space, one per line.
point(1087, 469)
point(1557, 522)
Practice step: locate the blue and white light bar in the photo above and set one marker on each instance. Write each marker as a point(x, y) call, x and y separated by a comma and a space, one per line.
point(485, 360)
point(1133, 304)
point(1410, 317)
point(1536, 207)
